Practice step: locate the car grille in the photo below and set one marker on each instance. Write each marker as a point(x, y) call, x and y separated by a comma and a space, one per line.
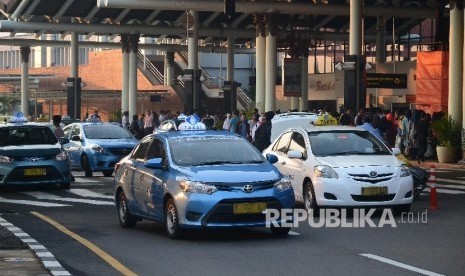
point(17, 175)
point(258, 186)
point(34, 158)
point(370, 179)
point(120, 151)
point(223, 211)
point(378, 198)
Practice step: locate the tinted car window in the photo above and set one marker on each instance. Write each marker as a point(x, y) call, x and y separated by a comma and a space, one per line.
point(76, 131)
point(298, 143)
point(283, 142)
point(105, 132)
point(157, 150)
point(26, 135)
point(212, 150)
point(141, 149)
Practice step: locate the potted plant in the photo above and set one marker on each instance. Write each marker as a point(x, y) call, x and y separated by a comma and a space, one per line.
point(448, 134)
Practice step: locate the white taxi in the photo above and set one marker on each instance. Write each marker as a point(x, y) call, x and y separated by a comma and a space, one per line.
point(342, 166)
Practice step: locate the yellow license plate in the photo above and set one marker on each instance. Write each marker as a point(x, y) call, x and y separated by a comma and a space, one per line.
point(249, 208)
point(35, 172)
point(374, 191)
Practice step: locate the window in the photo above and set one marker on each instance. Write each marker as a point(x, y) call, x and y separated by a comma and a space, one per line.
point(106, 132)
point(141, 149)
point(76, 131)
point(298, 144)
point(283, 142)
point(67, 130)
point(157, 150)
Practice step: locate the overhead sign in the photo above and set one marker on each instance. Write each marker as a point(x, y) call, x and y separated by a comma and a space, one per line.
point(292, 84)
point(379, 80)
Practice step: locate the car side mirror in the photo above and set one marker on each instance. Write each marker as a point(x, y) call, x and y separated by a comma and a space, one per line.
point(294, 154)
point(76, 138)
point(271, 158)
point(396, 151)
point(154, 163)
point(64, 140)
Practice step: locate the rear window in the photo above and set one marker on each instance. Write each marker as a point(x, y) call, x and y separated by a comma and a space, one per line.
point(26, 135)
point(106, 132)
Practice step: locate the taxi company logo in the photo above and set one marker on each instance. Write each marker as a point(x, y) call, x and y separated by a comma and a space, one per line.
point(32, 159)
point(247, 188)
point(373, 174)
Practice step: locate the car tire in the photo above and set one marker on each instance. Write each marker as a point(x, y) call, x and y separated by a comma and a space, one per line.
point(107, 173)
point(65, 185)
point(126, 220)
point(280, 231)
point(399, 209)
point(310, 200)
point(172, 220)
point(86, 166)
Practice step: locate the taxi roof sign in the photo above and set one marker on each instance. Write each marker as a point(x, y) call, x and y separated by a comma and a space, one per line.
point(18, 117)
point(192, 123)
point(325, 120)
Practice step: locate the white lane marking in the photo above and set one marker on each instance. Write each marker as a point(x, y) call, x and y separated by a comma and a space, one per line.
point(444, 191)
point(451, 181)
point(88, 193)
point(46, 196)
point(33, 203)
point(84, 180)
point(459, 187)
point(292, 233)
point(401, 265)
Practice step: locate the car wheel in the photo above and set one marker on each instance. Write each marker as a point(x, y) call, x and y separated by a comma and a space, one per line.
point(172, 220)
point(126, 220)
point(280, 231)
point(107, 173)
point(399, 209)
point(86, 166)
point(310, 200)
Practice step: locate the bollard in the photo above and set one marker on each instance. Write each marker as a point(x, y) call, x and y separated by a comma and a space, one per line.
point(433, 198)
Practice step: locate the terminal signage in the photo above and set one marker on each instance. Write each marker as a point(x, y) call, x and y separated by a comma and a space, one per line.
point(292, 85)
point(379, 80)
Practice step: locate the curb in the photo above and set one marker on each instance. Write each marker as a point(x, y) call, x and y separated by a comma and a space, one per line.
point(48, 261)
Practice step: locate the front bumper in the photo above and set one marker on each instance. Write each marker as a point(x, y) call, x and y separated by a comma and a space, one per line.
point(216, 210)
point(51, 173)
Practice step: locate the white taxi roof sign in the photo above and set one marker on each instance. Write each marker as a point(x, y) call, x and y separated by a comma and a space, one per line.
point(192, 123)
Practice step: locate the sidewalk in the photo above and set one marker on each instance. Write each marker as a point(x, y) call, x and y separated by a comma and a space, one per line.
point(17, 258)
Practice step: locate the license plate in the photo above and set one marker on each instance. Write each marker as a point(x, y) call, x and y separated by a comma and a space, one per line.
point(249, 208)
point(374, 191)
point(35, 172)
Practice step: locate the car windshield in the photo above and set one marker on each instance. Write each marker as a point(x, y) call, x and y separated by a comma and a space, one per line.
point(332, 143)
point(26, 135)
point(213, 150)
point(105, 132)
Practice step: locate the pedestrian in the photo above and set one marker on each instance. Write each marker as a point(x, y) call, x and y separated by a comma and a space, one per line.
point(234, 121)
point(148, 122)
point(134, 127)
point(226, 122)
point(125, 120)
point(422, 136)
point(263, 132)
point(95, 117)
point(367, 124)
point(56, 127)
point(243, 127)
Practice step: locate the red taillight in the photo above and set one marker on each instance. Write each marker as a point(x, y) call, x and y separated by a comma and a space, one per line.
point(117, 165)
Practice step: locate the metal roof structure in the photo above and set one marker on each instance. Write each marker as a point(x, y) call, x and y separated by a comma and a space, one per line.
point(168, 18)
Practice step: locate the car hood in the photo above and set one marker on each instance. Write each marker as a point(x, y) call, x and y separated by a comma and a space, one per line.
point(126, 142)
point(30, 150)
point(235, 173)
point(359, 161)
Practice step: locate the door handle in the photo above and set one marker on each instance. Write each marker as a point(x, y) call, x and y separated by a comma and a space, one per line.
point(283, 162)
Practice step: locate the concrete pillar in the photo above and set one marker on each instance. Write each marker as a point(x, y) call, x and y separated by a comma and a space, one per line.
point(74, 55)
point(25, 52)
point(381, 40)
point(260, 61)
point(193, 57)
point(169, 68)
point(355, 48)
point(271, 62)
point(133, 49)
point(303, 103)
point(230, 54)
point(125, 86)
point(456, 61)
point(294, 103)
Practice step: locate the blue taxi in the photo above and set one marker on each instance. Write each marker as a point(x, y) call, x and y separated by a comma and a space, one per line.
point(196, 178)
point(97, 146)
point(30, 154)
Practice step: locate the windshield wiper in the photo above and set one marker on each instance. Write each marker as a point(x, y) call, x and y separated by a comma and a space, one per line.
point(210, 163)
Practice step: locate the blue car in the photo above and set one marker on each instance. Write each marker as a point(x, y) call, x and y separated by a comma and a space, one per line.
point(30, 154)
point(97, 146)
point(195, 179)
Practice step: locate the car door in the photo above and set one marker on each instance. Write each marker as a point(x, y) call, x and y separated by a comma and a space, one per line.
point(152, 181)
point(295, 167)
point(134, 174)
point(74, 148)
point(280, 149)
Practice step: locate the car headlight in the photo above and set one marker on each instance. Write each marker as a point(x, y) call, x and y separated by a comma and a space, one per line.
point(62, 156)
point(97, 148)
point(5, 159)
point(196, 187)
point(283, 184)
point(325, 172)
point(405, 171)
